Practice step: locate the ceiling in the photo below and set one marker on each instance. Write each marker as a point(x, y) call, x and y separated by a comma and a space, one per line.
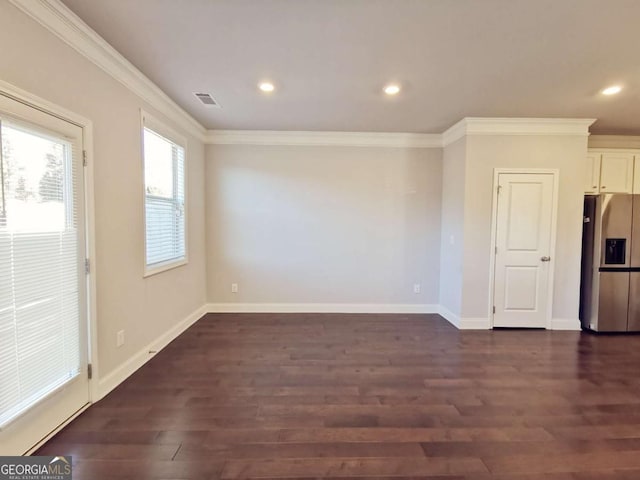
point(329, 60)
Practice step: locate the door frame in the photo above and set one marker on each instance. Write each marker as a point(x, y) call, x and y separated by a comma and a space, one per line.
point(15, 93)
point(494, 231)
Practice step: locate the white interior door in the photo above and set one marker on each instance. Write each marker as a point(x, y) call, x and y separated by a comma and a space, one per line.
point(43, 306)
point(525, 209)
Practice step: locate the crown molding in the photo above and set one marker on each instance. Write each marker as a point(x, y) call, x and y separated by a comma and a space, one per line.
point(466, 126)
point(614, 141)
point(454, 133)
point(67, 26)
point(517, 126)
point(343, 139)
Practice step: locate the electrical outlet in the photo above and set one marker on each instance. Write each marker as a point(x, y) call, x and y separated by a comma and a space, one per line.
point(234, 288)
point(120, 338)
point(416, 288)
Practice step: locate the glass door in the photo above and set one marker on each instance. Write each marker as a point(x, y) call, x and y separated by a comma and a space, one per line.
point(43, 306)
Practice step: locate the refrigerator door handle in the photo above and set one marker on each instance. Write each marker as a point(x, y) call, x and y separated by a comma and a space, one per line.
point(545, 259)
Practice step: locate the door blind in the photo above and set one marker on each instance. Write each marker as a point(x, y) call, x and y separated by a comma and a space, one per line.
point(39, 267)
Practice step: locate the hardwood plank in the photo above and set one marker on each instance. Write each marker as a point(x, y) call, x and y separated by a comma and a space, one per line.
point(414, 434)
point(299, 450)
point(356, 467)
point(577, 462)
point(484, 448)
point(111, 451)
point(368, 396)
point(146, 469)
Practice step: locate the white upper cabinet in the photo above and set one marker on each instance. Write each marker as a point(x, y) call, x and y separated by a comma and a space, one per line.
point(592, 173)
point(611, 171)
point(616, 173)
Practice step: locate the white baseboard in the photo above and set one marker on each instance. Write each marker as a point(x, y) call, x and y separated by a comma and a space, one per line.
point(464, 323)
point(449, 316)
point(565, 324)
point(122, 372)
point(475, 323)
point(320, 308)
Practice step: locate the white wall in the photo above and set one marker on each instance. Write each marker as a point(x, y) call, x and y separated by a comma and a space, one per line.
point(37, 61)
point(451, 247)
point(484, 154)
point(320, 224)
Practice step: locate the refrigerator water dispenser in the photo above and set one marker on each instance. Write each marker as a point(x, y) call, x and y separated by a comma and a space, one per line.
point(615, 251)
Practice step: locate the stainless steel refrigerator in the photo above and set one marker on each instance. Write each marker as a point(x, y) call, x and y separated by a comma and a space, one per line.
point(610, 273)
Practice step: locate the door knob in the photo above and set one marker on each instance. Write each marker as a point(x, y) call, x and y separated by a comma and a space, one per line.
point(545, 259)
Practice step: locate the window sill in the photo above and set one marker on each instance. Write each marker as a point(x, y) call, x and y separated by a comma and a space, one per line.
point(163, 267)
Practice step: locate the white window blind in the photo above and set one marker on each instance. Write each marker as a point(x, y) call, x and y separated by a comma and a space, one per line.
point(164, 200)
point(39, 268)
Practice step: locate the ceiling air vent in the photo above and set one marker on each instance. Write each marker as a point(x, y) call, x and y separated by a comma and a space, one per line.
point(207, 100)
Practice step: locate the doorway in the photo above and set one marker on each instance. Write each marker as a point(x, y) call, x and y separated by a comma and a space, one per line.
point(44, 329)
point(525, 209)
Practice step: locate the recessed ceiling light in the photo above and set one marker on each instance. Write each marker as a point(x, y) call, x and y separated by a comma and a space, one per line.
point(612, 90)
point(392, 89)
point(266, 87)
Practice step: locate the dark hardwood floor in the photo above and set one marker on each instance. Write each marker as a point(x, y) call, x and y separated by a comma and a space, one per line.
point(375, 396)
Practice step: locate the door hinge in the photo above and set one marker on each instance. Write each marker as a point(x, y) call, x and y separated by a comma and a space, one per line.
point(499, 188)
point(496, 251)
point(90, 371)
point(87, 266)
point(494, 309)
point(84, 158)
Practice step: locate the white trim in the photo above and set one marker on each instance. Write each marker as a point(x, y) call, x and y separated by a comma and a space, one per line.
point(67, 26)
point(320, 308)
point(122, 372)
point(161, 128)
point(163, 267)
point(16, 93)
point(552, 246)
point(345, 139)
point(565, 324)
point(614, 142)
point(492, 250)
point(528, 126)
point(516, 126)
point(92, 290)
point(449, 316)
point(632, 151)
point(475, 323)
point(454, 133)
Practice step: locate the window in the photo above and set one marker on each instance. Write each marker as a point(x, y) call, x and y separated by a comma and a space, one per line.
point(164, 191)
point(42, 348)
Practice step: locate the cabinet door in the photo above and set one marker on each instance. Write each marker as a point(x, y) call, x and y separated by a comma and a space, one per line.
point(616, 174)
point(592, 173)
